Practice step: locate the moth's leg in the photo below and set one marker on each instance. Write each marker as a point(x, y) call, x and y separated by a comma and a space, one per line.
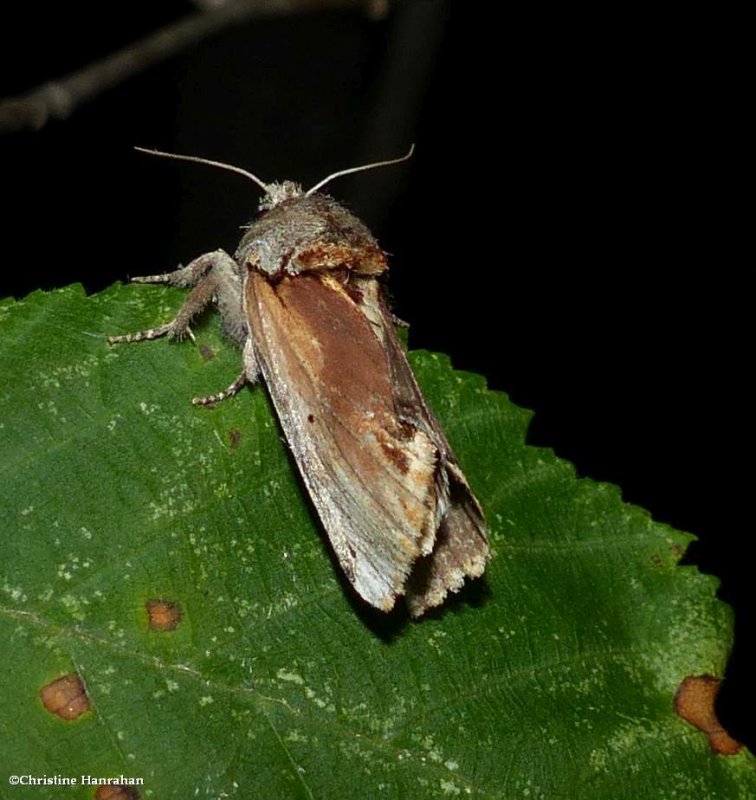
point(214, 277)
point(189, 275)
point(250, 374)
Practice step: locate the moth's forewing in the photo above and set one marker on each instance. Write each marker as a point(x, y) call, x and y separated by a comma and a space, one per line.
point(461, 547)
point(371, 454)
point(370, 476)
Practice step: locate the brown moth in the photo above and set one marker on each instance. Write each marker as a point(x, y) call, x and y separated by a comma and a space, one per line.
point(303, 297)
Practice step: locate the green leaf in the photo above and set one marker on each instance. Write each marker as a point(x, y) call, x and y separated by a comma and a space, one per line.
point(554, 678)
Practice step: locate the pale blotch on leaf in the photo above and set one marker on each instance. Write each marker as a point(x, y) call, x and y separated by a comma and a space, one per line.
point(163, 615)
point(116, 792)
point(65, 697)
point(694, 702)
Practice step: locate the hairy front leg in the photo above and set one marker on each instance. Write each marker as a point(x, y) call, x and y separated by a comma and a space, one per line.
point(215, 278)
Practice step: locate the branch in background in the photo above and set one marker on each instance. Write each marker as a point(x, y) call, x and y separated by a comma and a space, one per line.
point(59, 99)
point(375, 9)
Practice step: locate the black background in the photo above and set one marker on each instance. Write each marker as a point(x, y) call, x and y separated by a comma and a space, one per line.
point(569, 226)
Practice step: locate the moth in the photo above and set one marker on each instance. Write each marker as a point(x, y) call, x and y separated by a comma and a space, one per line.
point(303, 297)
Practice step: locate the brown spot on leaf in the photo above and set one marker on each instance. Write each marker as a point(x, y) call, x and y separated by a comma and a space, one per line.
point(694, 702)
point(164, 615)
point(677, 550)
point(65, 697)
point(116, 792)
point(234, 437)
point(206, 352)
point(311, 418)
point(656, 560)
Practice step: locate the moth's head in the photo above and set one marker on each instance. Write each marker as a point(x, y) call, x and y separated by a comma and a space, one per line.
point(276, 193)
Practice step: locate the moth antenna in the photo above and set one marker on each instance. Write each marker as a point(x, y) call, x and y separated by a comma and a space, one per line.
point(207, 161)
point(338, 174)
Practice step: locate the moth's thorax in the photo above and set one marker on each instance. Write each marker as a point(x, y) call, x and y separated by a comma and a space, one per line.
point(309, 234)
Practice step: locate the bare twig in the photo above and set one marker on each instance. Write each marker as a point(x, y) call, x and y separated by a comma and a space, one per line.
point(58, 99)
